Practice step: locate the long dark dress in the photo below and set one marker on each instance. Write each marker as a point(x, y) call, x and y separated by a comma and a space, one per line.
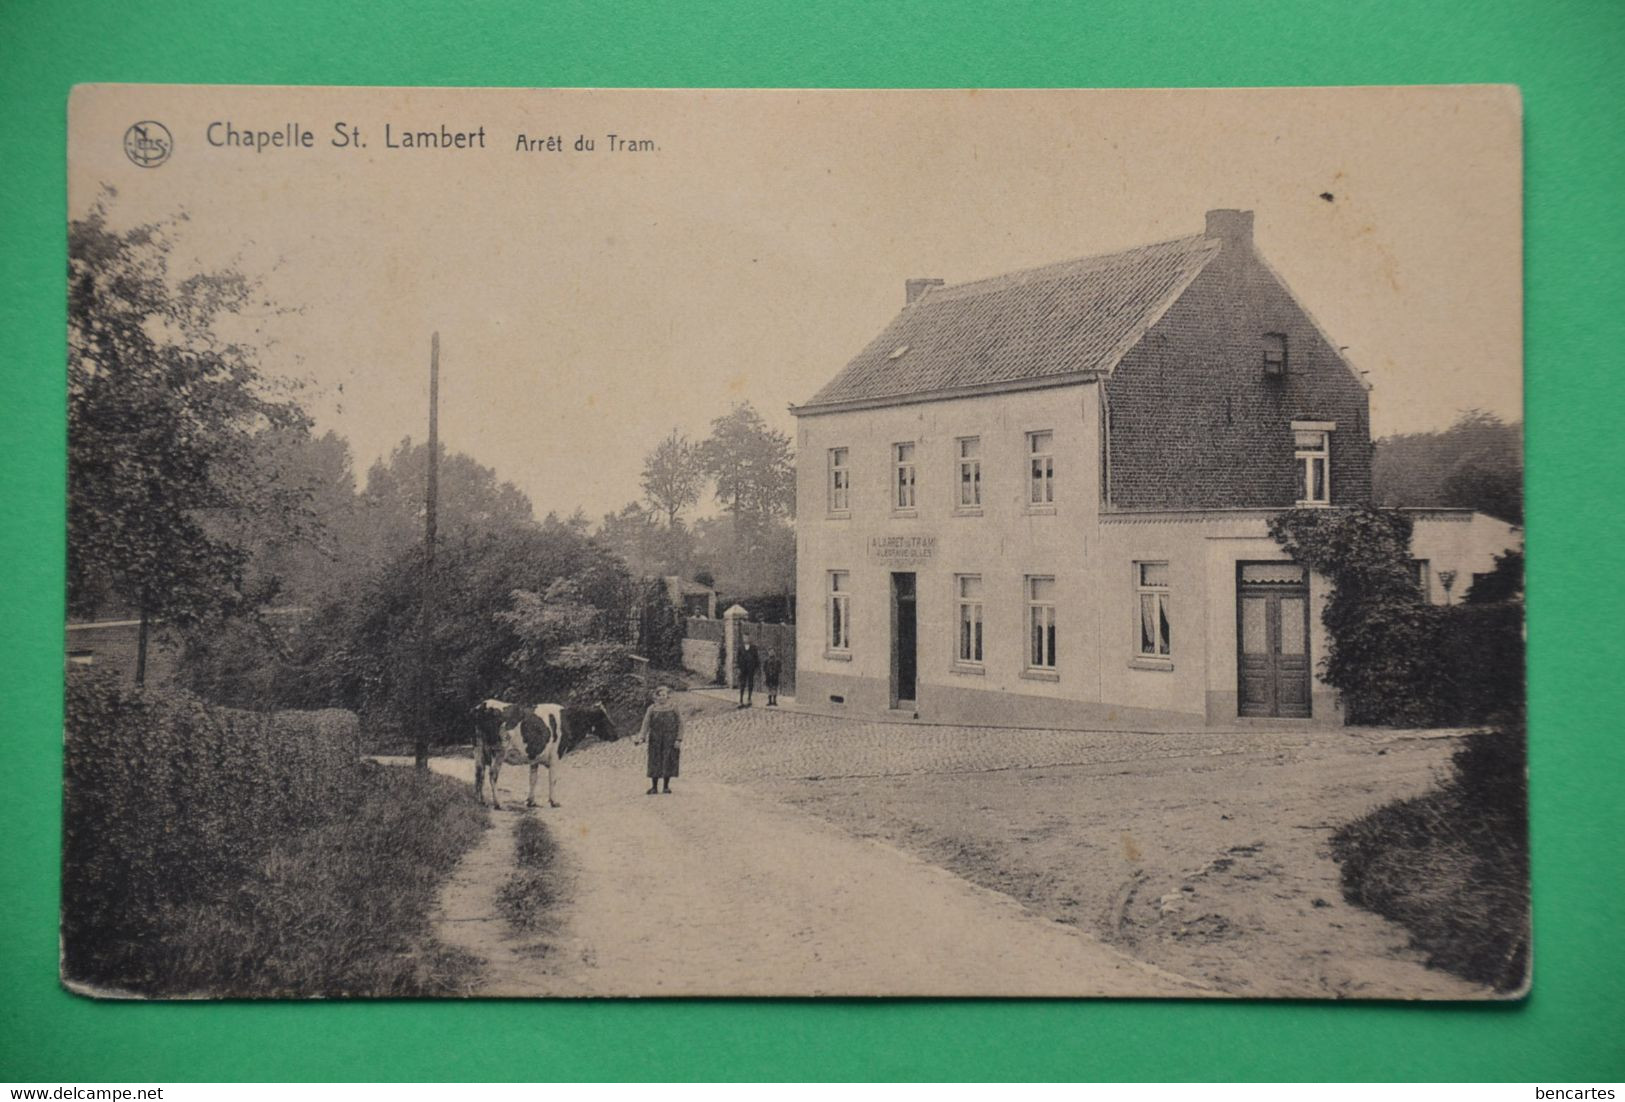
point(664, 724)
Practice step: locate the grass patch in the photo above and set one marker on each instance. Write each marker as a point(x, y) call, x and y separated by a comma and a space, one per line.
point(1452, 866)
point(527, 894)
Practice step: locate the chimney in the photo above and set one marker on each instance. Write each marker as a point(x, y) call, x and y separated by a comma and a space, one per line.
point(1231, 226)
point(914, 288)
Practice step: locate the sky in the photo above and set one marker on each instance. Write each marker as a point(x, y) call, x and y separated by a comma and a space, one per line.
point(589, 302)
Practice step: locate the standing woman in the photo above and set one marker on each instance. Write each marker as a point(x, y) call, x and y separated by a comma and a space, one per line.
point(663, 727)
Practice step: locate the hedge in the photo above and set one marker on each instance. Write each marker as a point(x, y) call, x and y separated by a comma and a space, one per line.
point(168, 802)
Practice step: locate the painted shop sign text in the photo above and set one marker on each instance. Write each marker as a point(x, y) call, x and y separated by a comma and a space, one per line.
point(902, 549)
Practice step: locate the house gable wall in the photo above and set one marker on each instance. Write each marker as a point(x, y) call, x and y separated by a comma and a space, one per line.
point(1195, 423)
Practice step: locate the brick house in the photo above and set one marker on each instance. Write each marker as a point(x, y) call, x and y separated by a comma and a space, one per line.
point(1041, 498)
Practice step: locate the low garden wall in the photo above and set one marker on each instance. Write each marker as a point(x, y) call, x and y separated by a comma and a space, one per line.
point(700, 656)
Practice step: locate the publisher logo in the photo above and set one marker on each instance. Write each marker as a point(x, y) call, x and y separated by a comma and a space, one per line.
point(148, 144)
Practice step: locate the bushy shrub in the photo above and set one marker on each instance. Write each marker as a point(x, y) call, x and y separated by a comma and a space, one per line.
point(239, 662)
point(1452, 866)
point(1396, 659)
point(1481, 655)
point(585, 673)
point(1381, 652)
point(1504, 583)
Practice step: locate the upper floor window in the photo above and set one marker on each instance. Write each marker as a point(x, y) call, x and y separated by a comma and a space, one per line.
point(1040, 623)
point(903, 484)
point(970, 472)
point(1041, 468)
point(968, 591)
point(1313, 458)
point(1155, 633)
point(840, 481)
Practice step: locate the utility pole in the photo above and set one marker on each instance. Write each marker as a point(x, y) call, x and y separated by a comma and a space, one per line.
point(426, 607)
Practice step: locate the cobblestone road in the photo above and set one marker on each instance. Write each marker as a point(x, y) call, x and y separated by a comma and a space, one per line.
point(758, 743)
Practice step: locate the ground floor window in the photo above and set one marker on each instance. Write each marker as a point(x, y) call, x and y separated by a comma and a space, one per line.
point(968, 588)
point(1155, 633)
point(1040, 623)
point(840, 610)
point(1419, 575)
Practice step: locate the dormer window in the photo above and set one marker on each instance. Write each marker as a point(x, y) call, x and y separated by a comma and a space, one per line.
point(1312, 455)
point(1275, 354)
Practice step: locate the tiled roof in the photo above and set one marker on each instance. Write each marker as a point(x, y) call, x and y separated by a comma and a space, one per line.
point(1058, 320)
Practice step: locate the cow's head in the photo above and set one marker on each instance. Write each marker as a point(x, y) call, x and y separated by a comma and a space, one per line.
point(488, 718)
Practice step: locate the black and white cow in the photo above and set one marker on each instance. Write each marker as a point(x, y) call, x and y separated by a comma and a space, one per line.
point(536, 736)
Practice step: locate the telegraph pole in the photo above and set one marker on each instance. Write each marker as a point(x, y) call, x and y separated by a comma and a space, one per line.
point(426, 607)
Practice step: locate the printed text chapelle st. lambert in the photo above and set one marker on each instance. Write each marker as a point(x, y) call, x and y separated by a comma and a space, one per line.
point(293, 137)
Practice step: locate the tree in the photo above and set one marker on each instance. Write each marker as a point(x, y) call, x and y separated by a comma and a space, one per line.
point(752, 465)
point(1477, 463)
point(472, 499)
point(752, 560)
point(360, 651)
point(673, 476)
point(166, 478)
point(649, 548)
point(329, 553)
point(576, 523)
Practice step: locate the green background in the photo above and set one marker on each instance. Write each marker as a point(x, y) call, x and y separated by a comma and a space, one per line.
point(1569, 59)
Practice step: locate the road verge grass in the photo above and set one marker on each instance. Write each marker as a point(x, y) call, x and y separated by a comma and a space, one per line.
point(1452, 865)
point(525, 895)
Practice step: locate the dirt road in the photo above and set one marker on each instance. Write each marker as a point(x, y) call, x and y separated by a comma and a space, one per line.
point(713, 890)
point(811, 855)
point(1213, 866)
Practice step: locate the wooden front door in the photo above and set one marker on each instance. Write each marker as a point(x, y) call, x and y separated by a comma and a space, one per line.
point(1272, 631)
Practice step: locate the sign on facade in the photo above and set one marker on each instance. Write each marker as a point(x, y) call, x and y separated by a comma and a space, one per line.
point(902, 550)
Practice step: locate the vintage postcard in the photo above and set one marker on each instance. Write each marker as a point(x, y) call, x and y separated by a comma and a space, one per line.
point(741, 543)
